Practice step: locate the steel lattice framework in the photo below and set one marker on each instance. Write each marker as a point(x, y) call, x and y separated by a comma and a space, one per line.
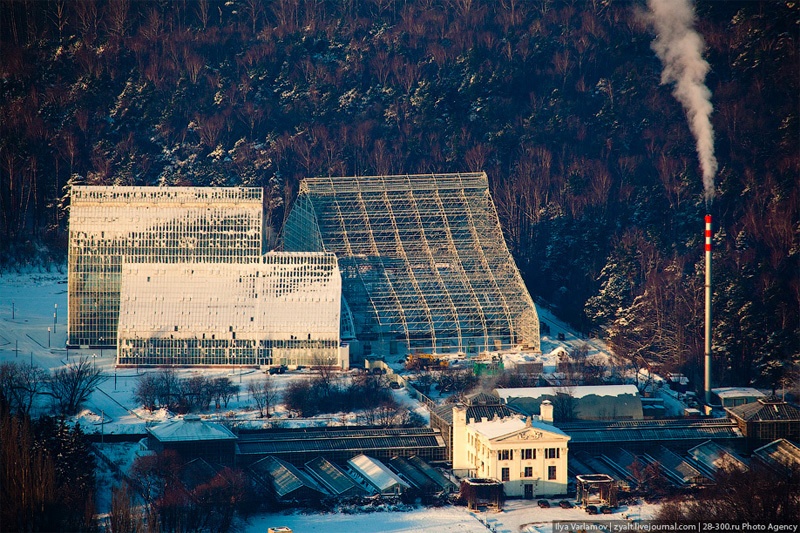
point(423, 260)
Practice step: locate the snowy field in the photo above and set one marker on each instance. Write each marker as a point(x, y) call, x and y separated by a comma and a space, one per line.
point(27, 305)
point(519, 516)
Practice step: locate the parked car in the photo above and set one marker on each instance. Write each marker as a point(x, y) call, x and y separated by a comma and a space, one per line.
point(605, 509)
point(564, 504)
point(544, 504)
point(591, 509)
point(277, 369)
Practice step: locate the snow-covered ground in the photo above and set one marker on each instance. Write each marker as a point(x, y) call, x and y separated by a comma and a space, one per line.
point(518, 516)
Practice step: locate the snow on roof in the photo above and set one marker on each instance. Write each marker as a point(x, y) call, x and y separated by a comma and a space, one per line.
point(737, 392)
point(190, 428)
point(575, 392)
point(376, 472)
point(493, 429)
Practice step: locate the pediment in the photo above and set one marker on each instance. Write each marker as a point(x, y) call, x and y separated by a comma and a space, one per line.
point(531, 434)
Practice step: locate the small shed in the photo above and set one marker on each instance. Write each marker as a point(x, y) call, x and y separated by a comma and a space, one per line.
point(596, 489)
point(711, 457)
point(437, 477)
point(375, 476)
point(333, 478)
point(285, 481)
point(780, 455)
point(482, 491)
point(412, 475)
point(675, 468)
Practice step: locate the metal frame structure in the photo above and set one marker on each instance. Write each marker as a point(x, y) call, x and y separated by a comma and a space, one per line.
point(425, 267)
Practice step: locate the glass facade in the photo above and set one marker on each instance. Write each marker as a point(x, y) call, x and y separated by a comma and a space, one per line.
point(114, 226)
point(283, 310)
point(425, 267)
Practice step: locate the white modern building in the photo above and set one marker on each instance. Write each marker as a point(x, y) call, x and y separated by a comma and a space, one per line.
point(282, 310)
point(528, 456)
point(114, 225)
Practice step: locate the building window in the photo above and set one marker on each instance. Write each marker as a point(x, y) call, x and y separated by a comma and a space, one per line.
point(505, 455)
point(551, 453)
point(504, 473)
point(528, 471)
point(528, 454)
point(551, 473)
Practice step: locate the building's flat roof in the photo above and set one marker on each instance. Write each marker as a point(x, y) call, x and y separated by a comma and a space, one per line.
point(354, 440)
point(650, 430)
point(737, 392)
point(493, 429)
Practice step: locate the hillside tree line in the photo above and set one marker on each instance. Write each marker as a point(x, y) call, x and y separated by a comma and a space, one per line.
point(591, 161)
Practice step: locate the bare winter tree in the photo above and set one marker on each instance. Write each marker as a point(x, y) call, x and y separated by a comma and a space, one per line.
point(265, 395)
point(20, 384)
point(168, 387)
point(71, 386)
point(123, 518)
point(146, 392)
point(223, 390)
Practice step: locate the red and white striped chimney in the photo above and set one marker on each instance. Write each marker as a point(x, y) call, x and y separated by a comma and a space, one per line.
point(708, 313)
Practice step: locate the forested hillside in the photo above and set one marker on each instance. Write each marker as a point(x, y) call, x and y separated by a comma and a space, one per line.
point(592, 164)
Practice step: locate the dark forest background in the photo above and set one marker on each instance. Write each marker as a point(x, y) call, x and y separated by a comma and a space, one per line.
point(591, 162)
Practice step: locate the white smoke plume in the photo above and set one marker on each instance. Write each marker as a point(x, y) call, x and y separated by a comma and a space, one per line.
point(680, 48)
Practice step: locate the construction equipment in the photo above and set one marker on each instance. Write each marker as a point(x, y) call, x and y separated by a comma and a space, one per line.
point(425, 361)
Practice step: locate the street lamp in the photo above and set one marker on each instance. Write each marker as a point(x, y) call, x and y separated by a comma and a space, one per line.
point(48, 337)
point(101, 346)
point(94, 360)
point(55, 317)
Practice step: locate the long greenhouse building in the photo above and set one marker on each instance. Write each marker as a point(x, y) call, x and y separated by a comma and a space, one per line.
point(425, 267)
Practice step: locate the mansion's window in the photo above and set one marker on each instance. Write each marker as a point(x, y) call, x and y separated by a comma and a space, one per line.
point(551, 472)
point(504, 473)
point(529, 454)
point(505, 455)
point(528, 471)
point(551, 453)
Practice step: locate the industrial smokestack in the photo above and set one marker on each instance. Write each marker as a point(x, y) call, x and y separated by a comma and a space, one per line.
point(708, 312)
